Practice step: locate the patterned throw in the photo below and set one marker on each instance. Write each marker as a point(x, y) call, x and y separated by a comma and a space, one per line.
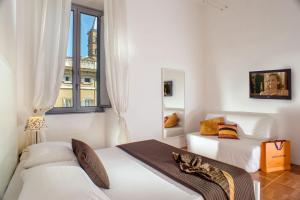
point(193, 165)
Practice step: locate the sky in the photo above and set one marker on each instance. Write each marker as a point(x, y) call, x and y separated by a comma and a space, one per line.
point(86, 25)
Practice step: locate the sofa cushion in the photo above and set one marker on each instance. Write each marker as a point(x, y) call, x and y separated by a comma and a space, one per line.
point(210, 126)
point(243, 153)
point(174, 131)
point(171, 121)
point(179, 112)
point(228, 131)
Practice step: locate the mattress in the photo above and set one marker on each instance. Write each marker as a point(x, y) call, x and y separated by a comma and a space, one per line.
point(243, 153)
point(129, 179)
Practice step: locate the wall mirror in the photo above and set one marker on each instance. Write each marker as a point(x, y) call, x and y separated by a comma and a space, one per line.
point(173, 93)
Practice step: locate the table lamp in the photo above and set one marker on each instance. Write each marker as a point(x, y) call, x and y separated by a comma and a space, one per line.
point(35, 123)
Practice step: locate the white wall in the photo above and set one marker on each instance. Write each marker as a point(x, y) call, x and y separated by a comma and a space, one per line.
point(89, 127)
point(8, 116)
point(253, 35)
point(162, 34)
point(97, 4)
point(177, 98)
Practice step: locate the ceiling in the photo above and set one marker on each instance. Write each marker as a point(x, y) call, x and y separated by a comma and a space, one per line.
point(96, 4)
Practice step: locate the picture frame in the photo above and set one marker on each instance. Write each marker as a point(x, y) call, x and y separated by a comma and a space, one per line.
point(168, 88)
point(270, 84)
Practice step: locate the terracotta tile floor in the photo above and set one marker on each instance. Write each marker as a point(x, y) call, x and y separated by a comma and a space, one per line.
point(284, 185)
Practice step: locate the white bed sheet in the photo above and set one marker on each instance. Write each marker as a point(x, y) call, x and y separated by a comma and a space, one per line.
point(15, 185)
point(243, 153)
point(133, 180)
point(62, 182)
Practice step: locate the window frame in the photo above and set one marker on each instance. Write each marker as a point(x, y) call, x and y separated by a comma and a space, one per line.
point(76, 78)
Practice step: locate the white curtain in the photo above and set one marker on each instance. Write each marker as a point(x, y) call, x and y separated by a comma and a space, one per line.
point(42, 35)
point(50, 60)
point(116, 57)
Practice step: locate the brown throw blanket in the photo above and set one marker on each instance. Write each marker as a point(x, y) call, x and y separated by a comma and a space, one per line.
point(159, 156)
point(193, 165)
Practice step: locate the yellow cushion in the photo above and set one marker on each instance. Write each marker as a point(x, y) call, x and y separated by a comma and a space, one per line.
point(210, 126)
point(171, 121)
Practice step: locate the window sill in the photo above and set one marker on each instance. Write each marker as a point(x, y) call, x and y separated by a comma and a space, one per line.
point(58, 111)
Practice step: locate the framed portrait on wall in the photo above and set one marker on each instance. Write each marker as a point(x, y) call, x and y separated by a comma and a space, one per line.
point(168, 88)
point(270, 84)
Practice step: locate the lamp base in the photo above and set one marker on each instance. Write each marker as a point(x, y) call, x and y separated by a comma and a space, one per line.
point(36, 137)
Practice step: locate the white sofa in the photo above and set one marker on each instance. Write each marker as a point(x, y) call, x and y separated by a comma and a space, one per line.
point(253, 128)
point(177, 130)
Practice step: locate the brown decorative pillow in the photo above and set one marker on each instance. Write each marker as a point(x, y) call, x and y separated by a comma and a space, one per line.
point(90, 163)
point(228, 131)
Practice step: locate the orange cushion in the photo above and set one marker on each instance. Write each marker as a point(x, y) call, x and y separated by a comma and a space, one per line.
point(210, 126)
point(171, 121)
point(228, 131)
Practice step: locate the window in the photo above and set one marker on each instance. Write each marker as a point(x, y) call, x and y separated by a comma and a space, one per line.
point(67, 79)
point(80, 89)
point(87, 80)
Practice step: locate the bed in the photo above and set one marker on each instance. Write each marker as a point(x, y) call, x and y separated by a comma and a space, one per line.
point(130, 178)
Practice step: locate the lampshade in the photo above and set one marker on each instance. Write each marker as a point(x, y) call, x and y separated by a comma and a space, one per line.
point(35, 123)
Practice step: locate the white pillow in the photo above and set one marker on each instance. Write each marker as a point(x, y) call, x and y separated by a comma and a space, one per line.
point(59, 182)
point(48, 152)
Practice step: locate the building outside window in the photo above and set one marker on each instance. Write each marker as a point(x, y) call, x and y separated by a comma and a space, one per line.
point(67, 79)
point(67, 102)
point(87, 102)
